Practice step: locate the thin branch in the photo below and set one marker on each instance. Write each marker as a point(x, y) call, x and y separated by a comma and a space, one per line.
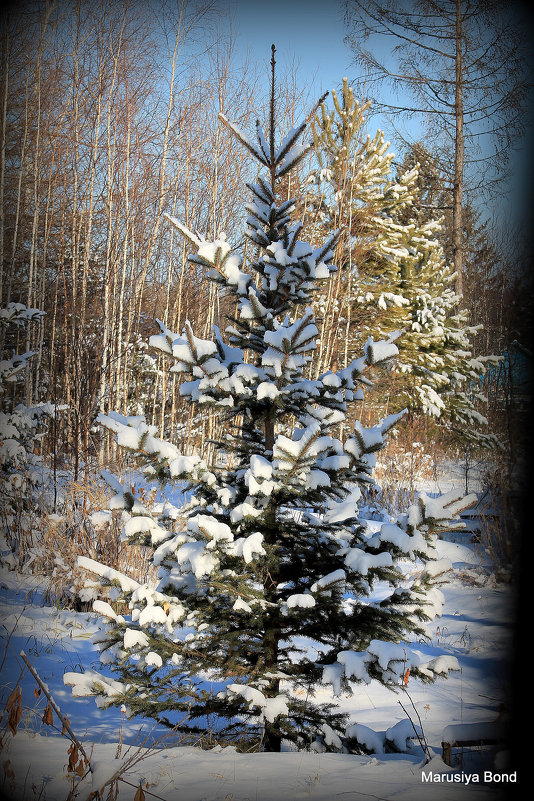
point(64, 720)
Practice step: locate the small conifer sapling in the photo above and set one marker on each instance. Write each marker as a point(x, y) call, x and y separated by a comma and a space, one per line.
point(263, 600)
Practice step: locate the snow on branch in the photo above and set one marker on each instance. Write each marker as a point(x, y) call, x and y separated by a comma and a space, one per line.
point(19, 314)
point(288, 142)
point(11, 368)
point(269, 708)
point(243, 138)
point(133, 433)
point(390, 660)
point(194, 239)
point(111, 575)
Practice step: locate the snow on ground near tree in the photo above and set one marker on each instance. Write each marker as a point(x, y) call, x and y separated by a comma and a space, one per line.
point(475, 628)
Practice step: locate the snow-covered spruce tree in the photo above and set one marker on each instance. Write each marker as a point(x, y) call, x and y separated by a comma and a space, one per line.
point(396, 274)
point(264, 595)
point(21, 427)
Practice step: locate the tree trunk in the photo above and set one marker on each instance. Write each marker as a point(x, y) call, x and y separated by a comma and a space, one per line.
point(5, 84)
point(272, 740)
point(457, 216)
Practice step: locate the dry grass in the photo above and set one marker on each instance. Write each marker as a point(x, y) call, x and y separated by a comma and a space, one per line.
point(500, 523)
point(22, 501)
point(412, 456)
point(71, 534)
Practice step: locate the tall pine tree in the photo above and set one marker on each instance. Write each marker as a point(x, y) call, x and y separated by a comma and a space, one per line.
point(396, 271)
point(264, 595)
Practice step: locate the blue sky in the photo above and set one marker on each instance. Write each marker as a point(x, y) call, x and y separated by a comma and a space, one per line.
point(311, 32)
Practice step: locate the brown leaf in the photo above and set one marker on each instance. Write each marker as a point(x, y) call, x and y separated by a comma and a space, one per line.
point(14, 719)
point(64, 727)
point(80, 768)
point(139, 796)
point(73, 756)
point(13, 698)
point(48, 717)
point(8, 771)
point(406, 677)
point(37, 692)
point(14, 705)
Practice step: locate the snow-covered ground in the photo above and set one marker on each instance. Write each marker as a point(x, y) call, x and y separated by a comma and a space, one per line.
point(475, 627)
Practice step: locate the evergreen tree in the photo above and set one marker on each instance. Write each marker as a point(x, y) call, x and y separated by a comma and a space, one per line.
point(264, 595)
point(397, 276)
point(21, 427)
point(484, 271)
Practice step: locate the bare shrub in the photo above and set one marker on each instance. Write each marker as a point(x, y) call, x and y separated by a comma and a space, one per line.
point(76, 532)
point(499, 520)
point(413, 457)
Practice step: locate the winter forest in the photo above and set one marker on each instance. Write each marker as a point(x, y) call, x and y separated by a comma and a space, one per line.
point(265, 395)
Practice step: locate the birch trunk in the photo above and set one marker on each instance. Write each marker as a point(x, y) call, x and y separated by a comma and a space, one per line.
point(457, 215)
